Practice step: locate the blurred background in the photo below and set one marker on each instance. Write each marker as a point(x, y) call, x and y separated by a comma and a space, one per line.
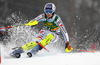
point(81, 18)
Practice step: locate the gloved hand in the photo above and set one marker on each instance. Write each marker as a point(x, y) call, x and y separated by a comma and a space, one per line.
point(68, 48)
point(32, 23)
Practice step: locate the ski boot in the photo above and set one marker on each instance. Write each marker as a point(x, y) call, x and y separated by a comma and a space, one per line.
point(33, 51)
point(29, 54)
point(17, 53)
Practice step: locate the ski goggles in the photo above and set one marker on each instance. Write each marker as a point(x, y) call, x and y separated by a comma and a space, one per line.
point(49, 11)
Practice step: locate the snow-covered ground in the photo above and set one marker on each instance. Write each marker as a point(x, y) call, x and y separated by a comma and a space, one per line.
point(58, 59)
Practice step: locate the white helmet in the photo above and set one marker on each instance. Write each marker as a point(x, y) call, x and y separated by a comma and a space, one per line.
point(50, 6)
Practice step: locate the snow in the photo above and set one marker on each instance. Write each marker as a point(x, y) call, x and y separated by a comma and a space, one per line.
point(58, 59)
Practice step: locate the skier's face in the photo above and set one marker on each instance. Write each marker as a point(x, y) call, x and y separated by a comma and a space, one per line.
point(49, 15)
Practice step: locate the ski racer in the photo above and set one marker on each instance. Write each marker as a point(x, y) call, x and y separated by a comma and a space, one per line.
point(53, 26)
point(2, 34)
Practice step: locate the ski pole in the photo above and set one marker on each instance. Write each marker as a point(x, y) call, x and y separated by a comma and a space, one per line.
point(6, 27)
point(9, 27)
point(31, 23)
point(42, 46)
point(85, 50)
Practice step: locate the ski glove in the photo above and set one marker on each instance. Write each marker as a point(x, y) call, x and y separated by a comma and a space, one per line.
point(68, 48)
point(32, 23)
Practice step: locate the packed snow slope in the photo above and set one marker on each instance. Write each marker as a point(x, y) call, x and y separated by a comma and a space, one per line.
point(58, 59)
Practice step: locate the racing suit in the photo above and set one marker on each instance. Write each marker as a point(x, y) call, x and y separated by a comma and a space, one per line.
point(53, 24)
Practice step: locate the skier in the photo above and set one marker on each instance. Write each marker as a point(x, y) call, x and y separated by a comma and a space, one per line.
point(53, 26)
point(2, 33)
